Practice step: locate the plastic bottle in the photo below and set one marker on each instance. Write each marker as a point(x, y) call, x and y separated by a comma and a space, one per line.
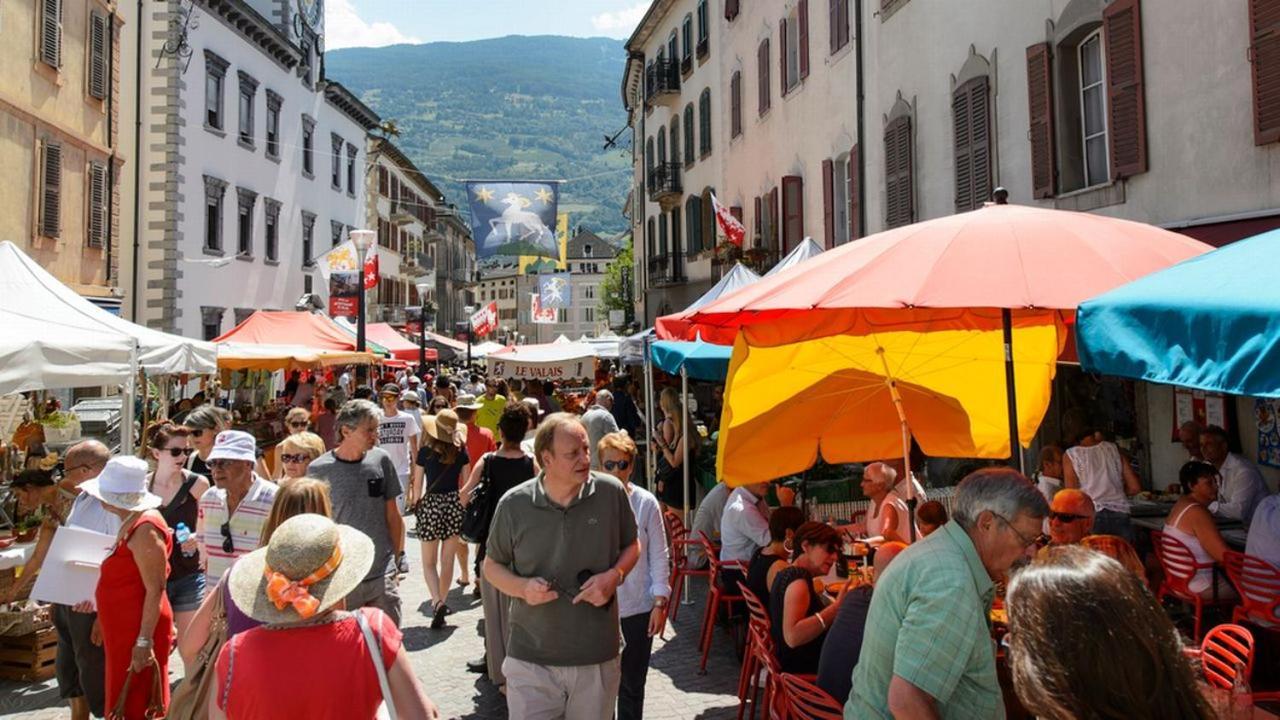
point(182, 534)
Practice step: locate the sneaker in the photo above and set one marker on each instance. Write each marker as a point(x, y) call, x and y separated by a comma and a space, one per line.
point(478, 666)
point(402, 564)
point(437, 621)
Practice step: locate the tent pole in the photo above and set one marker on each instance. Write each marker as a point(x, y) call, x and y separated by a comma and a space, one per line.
point(1011, 392)
point(648, 410)
point(126, 407)
point(684, 464)
point(906, 442)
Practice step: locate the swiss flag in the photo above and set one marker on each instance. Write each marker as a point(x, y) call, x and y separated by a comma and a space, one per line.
point(729, 225)
point(371, 271)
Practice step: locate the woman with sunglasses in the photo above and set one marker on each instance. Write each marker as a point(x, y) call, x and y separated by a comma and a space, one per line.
point(800, 618)
point(296, 453)
point(179, 490)
point(298, 420)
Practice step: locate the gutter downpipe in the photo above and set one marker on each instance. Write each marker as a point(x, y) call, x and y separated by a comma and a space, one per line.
point(137, 169)
point(861, 112)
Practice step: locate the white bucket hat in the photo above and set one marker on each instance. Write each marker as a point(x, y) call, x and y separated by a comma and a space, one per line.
point(234, 445)
point(123, 484)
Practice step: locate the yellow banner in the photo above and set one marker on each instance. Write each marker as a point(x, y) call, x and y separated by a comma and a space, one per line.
point(562, 237)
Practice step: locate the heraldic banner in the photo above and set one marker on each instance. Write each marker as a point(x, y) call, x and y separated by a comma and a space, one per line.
point(514, 218)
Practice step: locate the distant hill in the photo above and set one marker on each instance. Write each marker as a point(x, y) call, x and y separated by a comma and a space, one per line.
point(515, 107)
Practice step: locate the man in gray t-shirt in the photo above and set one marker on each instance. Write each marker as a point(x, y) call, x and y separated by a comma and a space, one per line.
point(363, 486)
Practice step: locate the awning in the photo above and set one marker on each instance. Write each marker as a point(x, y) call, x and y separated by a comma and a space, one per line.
point(383, 335)
point(283, 327)
point(265, 356)
point(553, 361)
point(701, 360)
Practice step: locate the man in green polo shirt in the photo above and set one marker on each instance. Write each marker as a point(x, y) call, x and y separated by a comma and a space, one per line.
point(560, 545)
point(927, 650)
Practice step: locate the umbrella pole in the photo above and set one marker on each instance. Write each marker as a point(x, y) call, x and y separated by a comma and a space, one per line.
point(684, 441)
point(1011, 392)
point(651, 458)
point(906, 442)
point(130, 391)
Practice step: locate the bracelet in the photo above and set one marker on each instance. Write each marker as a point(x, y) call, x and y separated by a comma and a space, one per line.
point(142, 642)
point(622, 577)
point(821, 622)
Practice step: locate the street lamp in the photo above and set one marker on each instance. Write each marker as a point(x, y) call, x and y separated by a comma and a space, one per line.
point(423, 288)
point(468, 311)
point(363, 240)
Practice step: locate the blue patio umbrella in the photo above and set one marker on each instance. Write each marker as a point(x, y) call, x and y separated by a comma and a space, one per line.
point(1210, 323)
point(700, 360)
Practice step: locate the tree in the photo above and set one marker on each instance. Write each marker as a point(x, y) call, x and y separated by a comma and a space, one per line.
point(618, 289)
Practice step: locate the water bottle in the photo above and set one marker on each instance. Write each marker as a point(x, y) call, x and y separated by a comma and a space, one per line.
point(182, 533)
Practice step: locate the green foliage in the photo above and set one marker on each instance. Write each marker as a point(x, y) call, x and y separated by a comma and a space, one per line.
point(517, 107)
point(613, 293)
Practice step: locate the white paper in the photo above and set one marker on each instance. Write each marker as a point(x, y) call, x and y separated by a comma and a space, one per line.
point(70, 571)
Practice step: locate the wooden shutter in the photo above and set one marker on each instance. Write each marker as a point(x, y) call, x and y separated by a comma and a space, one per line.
point(972, 136)
point(51, 32)
point(1126, 108)
point(97, 205)
point(736, 212)
point(774, 218)
point(782, 55)
point(855, 224)
point(98, 54)
point(758, 221)
point(51, 190)
point(828, 204)
point(762, 71)
point(833, 25)
point(961, 135)
point(730, 9)
point(792, 211)
point(1264, 60)
point(802, 16)
point(1040, 99)
point(899, 203)
point(735, 104)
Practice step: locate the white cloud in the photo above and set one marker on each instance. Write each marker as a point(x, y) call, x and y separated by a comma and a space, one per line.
point(620, 23)
point(345, 28)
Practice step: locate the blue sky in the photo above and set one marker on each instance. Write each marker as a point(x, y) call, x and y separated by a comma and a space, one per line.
point(373, 23)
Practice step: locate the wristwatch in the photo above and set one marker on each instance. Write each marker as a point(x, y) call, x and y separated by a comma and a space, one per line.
point(622, 577)
point(660, 602)
point(142, 642)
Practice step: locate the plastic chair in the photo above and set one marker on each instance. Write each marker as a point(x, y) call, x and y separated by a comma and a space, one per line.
point(1180, 567)
point(806, 701)
point(1258, 583)
point(757, 628)
point(678, 541)
point(766, 661)
point(716, 596)
point(1225, 649)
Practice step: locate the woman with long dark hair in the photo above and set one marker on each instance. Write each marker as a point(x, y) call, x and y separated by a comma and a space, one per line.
point(180, 491)
point(1086, 640)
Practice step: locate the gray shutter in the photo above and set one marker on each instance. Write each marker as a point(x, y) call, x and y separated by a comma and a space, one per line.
point(98, 53)
point(51, 32)
point(51, 191)
point(962, 134)
point(97, 205)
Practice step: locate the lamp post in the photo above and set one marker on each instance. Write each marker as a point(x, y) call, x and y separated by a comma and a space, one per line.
point(468, 311)
point(363, 240)
point(423, 288)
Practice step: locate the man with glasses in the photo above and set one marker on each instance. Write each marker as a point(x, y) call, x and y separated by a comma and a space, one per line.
point(599, 421)
point(1070, 517)
point(926, 651)
point(233, 512)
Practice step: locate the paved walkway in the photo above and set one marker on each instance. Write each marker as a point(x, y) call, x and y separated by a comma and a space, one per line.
point(675, 690)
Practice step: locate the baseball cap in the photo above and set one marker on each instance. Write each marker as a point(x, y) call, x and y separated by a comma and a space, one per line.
point(390, 389)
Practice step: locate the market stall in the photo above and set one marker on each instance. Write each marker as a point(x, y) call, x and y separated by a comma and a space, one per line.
point(553, 361)
point(385, 336)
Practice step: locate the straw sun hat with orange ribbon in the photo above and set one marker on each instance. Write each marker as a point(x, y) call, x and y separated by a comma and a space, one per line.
point(310, 564)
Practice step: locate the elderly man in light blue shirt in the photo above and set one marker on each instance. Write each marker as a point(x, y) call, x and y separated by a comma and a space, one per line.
point(599, 422)
point(745, 525)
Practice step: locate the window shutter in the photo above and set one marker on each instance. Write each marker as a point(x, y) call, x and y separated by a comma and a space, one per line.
point(51, 32)
point(730, 9)
point(774, 217)
point(899, 203)
point(782, 55)
point(855, 225)
point(762, 72)
point(828, 204)
point(758, 222)
point(736, 212)
point(792, 211)
point(833, 25)
point(51, 192)
point(98, 53)
point(972, 131)
point(962, 137)
point(735, 104)
point(1040, 99)
point(802, 16)
point(1264, 59)
point(1127, 132)
point(97, 204)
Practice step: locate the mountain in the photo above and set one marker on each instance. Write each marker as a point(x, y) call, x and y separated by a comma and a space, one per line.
point(509, 108)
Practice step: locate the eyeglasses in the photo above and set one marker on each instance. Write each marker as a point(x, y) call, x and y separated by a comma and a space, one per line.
point(176, 452)
point(1066, 517)
point(73, 468)
point(227, 544)
point(612, 465)
point(197, 432)
point(1040, 539)
point(292, 458)
point(298, 424)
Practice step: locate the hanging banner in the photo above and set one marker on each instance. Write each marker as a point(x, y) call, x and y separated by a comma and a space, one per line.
point(1205, 408)
point(729, 225)
point(541, 315)
point(344, 294)
point(513, 218)
point(343, 257)
point(485, 320)
point(530, 264)
point(555, 290)
point(371, 273)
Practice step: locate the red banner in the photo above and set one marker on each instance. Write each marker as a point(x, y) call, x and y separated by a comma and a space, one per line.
point(371, 271)
point(729, 225)
point(485, 320)
point(344, 294)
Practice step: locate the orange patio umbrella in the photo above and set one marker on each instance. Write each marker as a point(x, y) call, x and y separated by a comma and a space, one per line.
point(973, 307)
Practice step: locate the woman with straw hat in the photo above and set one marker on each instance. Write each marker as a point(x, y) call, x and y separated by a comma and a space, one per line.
point(441, 463)
point(134, 615)
point(311, 658)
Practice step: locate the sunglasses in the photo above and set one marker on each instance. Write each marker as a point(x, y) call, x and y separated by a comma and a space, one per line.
point(612, 465)
point(291, 458)
point(583, 577)
point(227, 544)
point(176, 452)
point(297, 424)
point(197, 432)
point(1066, 517)
point(215, 464)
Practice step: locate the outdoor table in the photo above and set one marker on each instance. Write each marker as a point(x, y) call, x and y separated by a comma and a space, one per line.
point(1233, 531)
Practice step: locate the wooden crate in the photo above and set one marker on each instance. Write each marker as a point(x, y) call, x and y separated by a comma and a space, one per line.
point(29, 658)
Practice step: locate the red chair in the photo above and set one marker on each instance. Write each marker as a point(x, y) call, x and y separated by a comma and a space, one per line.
point(805, 701)
point(716, 596)
point(757, 633)
point(1225, 650)
point(1180, 567)
point(1258, 583)
point(678, 542)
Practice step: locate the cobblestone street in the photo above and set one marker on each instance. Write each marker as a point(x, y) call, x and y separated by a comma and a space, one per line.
point(674, 691)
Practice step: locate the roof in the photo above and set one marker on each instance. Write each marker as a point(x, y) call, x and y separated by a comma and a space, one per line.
point(340, 97)
point(284, 327)
point(599, 247)
point(257, 29)
point(654, 15)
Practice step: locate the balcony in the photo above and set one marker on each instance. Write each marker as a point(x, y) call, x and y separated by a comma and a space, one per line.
point(401, 213)
point(662, 79)
point(666, 269)
point(664, 182)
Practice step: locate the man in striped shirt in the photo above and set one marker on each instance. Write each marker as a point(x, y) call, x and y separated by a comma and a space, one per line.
point(233, 512)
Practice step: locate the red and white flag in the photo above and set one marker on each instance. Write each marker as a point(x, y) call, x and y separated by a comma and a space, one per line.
point(485, 320)
point(729, 225)
point(541, 315)
point(371, 271)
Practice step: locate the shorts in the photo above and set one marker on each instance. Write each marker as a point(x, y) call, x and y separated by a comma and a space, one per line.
point(186, 593)
point(439, 516)
point(80, 667)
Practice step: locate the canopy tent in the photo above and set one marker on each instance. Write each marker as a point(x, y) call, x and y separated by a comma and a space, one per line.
point(283, 327)
point(561, 340)
point(265, 356)
point(383, 335)
point(700, 360)
point(806, 249)
point(1210, 323)
point(631, 348)
point(446, 347)
point(677, 326)
point(481, 350)
point(50, 351)
point(31, 290)
point(606, 346)
point(551, 361)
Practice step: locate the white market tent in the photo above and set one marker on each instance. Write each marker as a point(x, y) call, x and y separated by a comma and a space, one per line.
point(806, 249)
point(606, 346)
point(551, 361)
point(481, 350)
point(47, 351)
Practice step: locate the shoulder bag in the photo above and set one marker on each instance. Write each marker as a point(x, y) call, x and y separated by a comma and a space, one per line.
point(190, 700)
point(375, 649)
point(478, 514)
point(155, 702)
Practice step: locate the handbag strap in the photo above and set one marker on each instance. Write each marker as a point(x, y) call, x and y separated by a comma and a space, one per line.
point(155, 701)
point(376, 651)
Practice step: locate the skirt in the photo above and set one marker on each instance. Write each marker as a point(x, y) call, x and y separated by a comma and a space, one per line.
point(439, 516)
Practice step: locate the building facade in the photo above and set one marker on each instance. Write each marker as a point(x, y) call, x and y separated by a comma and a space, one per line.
point(254, 163)
point(60, 133)
point(454, 256)
point(402, 205)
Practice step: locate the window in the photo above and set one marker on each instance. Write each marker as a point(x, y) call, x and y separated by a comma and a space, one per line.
point(335, 232)
point(662, 148)
point(51, 32)
point(211, 321)
point(693, 223)
point(762, 74)
point(971, 130)
point(838, 10)
point(899, 201)
point(351, 171)
point(735, 104)
point(214, 190)
point(686, 37)
point(271, 237)
point(308, 238)
point(688, 135)
point(676, 245)
point(304, 67)
point(589, 292)
point(244, 222)
point(793, 33)
point(306, 284)
point(704, 122)
point(335, 161)
point(792, 211)
point(840, 200)
point(215, 73)
point(649, 238)
point(673, 48)
point(274, 103)
point(1093, 110)
point(730, 10)
point(248, 89)
point(675, 141)
point(588, 314)
point(703, 30)
point(308, 146)
point(51, 189)
point(663, 247)
point(96, 236)
point(99, 55)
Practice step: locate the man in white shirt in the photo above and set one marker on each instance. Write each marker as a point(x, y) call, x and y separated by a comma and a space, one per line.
point(745, 524)
point(1242, 487)
point(1264, 531)
point(398, 434)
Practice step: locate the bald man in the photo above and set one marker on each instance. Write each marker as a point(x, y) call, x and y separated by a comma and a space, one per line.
point(1070, 516)
point(844, 641)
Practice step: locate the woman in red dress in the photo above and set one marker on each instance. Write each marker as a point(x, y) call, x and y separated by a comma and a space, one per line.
point(134, 616)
